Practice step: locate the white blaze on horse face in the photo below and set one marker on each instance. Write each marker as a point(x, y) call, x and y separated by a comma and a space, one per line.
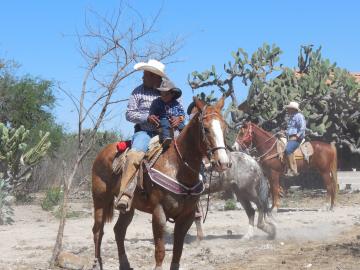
point(219, 142)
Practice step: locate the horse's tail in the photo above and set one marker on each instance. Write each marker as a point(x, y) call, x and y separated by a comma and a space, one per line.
point(333, 169)
point(263, 192)
point(109, 212)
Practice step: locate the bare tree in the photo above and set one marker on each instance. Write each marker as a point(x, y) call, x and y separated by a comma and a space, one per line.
point(110, 47)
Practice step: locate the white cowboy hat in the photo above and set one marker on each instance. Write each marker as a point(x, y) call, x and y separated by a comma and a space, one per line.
point(293, 105)
point(152, 66)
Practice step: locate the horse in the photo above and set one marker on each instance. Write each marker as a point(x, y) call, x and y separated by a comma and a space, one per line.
point(247, 181)
point(324, 160)
point(202, 136)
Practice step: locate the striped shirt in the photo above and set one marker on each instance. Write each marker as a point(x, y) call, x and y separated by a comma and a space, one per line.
point(139, 106)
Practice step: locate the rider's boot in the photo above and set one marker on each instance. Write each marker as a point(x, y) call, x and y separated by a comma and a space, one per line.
point(133, 160)
point(292, 168)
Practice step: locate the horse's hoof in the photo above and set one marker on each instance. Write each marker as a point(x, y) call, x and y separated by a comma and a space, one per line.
point(122, 204)
point(175, 266)
point(96, 265)
point(124, 263)
point(271, 236)
point(247, 237)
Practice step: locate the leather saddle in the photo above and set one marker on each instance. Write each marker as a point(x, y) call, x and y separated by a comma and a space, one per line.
point(304, 151)
point(155, 149)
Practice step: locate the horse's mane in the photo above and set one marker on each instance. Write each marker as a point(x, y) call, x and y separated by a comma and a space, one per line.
point(267, 133)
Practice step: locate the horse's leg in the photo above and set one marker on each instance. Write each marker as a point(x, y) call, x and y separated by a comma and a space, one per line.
point(182, 226)
point(199, 230)
point(267, 227)
point(120, 228)
point(250, 212)
point(98, 232)
point(158, 226)
point(198, 218)
point(329, 188)
point(275, 189)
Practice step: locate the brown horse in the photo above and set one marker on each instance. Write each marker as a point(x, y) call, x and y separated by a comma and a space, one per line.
point(324, 159)
point(203, 136)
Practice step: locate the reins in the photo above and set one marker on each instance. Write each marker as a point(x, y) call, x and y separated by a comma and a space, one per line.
point(208, 198)
point(210, 151)
point(251, 148)
point(182, 159)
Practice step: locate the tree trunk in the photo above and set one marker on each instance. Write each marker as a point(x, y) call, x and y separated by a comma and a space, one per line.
point(64, 208)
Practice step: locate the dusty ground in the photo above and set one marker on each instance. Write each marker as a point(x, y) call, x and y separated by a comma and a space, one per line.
point(305, 240)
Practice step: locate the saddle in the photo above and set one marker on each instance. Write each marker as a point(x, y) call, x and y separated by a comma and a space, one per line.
point(157, 177)
point(155, 149)
point(304, 151)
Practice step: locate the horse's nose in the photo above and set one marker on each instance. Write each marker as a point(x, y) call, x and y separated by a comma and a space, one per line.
point(222, 166)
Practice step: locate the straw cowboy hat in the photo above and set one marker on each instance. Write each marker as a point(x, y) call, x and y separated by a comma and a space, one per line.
point(167, 85)
point(293, 105)
point(152, 66)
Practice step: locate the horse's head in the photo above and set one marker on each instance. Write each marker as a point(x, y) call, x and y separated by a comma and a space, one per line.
point(244, 137)
point(212, 125)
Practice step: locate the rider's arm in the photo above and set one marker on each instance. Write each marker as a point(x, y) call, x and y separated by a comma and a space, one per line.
point(181, 111)
point(301, 126)
point(138, 107)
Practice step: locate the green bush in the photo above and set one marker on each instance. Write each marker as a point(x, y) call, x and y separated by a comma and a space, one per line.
point(52, 198)
point(230, 205)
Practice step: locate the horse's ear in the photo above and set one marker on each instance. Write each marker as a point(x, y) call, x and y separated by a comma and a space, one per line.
point(199, 103)
point(220, 104)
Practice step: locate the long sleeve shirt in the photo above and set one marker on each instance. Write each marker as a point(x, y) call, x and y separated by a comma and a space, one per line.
point(166, 110)
point(139, 106)
point(296, 125)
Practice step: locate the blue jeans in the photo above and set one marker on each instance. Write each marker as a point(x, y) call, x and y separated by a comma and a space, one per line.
point(165, 128)
point(140, 140)
point(291, 147)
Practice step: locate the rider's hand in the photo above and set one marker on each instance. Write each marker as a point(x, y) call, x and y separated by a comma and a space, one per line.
point(281, 134)
point(153, 119)
point(175, 121)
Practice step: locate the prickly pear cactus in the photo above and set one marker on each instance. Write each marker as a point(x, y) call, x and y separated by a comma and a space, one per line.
point(17, 159)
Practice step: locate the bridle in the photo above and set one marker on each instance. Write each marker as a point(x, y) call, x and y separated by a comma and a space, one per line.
point(209, 151)
point(249, 137)
point(246, 138)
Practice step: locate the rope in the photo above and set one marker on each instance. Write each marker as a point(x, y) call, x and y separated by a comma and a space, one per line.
point(268, 151)
point(208, 198)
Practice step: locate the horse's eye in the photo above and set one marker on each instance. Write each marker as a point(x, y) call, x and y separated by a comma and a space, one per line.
point(206, 130)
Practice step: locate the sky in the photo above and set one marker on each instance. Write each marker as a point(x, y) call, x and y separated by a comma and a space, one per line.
point(40, 36)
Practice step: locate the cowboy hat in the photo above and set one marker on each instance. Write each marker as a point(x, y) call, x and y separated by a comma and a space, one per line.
point(152, 66)
point(167, 85)
point(293, 105)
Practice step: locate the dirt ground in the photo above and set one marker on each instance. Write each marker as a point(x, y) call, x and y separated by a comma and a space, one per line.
point(315, 239)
